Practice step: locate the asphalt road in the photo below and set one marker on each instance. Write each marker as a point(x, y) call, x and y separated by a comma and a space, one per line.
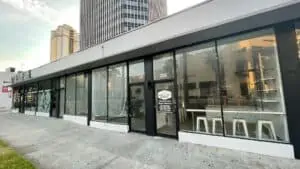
point(54, 143)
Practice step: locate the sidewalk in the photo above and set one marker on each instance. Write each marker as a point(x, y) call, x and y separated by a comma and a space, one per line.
point(55, 143)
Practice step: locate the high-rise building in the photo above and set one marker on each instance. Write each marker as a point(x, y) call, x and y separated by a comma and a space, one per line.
point(101, 20)
point(64, 41)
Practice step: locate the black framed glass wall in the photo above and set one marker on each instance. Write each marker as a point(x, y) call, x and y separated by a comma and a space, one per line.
point(76, 89)
point(251, 87)
point(62, 85)
point(82, 94)
point(137, 112)
point(44, 96)
point(31, 96)
point(117, 93)
point(16, 99)
point(241, 71)
point(197, 79)
point(99, 94)
point(70, 95)
point(297, 28)
point(109, 94)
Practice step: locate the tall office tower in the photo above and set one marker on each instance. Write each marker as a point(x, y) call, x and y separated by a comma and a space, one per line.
point(157, 9)
point(101, 20)
point(64, 41)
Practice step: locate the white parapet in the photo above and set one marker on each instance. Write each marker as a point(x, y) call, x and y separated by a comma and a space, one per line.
point(253, 146)
point(42, 114)
point(76, 119)
point(31, 113)
point(109, 126)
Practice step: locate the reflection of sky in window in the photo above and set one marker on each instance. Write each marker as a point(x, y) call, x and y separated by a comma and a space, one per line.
point(136, 71)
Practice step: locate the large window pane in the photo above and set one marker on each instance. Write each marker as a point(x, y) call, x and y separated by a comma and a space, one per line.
point(117, 93)
point(136, 72)
point(251, 87)
point(297, 25)
point(44, 96)
point(70, 95)
point(82, 95)
point(99, 94)
point(197, 77)
point(31, 97)
point(62, 97)
point(163, 67)
point(16, 98)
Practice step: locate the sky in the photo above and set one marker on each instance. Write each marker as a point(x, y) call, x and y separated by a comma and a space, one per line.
point(25, 27)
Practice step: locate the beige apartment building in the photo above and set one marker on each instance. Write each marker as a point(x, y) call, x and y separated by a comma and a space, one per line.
point(64, 41)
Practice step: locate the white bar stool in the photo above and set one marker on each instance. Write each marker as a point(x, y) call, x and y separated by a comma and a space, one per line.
point(271, 128)
point(214, 122)
point(204, 120)
point(235, 121)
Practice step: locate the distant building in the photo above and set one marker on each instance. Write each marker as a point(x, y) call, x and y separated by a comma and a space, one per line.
point(5, 91)
point(103, 20)
point(157, 9)
point(64, 41)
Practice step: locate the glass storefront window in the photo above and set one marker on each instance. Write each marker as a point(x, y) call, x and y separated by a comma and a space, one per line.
point(198, 94)
point(31, 97)
point(99, 94)
point(82, 95)
point(70, 95)
point(251, 87)
point(16, 98)
point(297, 26)
point(163, 67)
point(44, 96)
point(62, 97)
point(117, 93)
point(136, 72)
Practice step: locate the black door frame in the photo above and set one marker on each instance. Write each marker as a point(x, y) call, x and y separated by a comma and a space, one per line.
point(172, 80)
point(149, 94)
point(55, 93)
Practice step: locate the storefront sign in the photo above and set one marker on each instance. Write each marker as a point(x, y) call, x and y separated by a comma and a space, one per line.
point(4, 89)
point(165, 101)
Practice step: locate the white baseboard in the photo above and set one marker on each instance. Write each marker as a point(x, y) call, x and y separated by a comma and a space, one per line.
point(42, 114)
point(15, 110)
point(108, 126)
point(76, 119)
point(259, 147)
point(31, 113)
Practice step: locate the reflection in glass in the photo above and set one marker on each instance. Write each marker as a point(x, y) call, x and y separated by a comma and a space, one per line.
point(70, 95)
point(136, 72)
point(31, 97)
point(198, 96)
point(62, 97)
point(297, 25)
point(44, 97)
point(99, 94)
point(251, 87)
point(81, 95)
point(137, 108)
point(163, 67)
point(117, 93)
point(16, 99)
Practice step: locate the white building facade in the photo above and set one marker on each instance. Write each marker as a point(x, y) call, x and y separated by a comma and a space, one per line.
point(226, 79)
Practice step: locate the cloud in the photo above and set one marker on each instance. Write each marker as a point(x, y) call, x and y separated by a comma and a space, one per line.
point(35, 8)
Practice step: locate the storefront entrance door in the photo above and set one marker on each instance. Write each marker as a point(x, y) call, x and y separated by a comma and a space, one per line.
point(165, 108)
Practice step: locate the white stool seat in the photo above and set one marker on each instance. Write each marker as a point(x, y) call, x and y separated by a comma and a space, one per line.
point(204, 120)
point(214, 122)
point(234, 124)
point(271, 129)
